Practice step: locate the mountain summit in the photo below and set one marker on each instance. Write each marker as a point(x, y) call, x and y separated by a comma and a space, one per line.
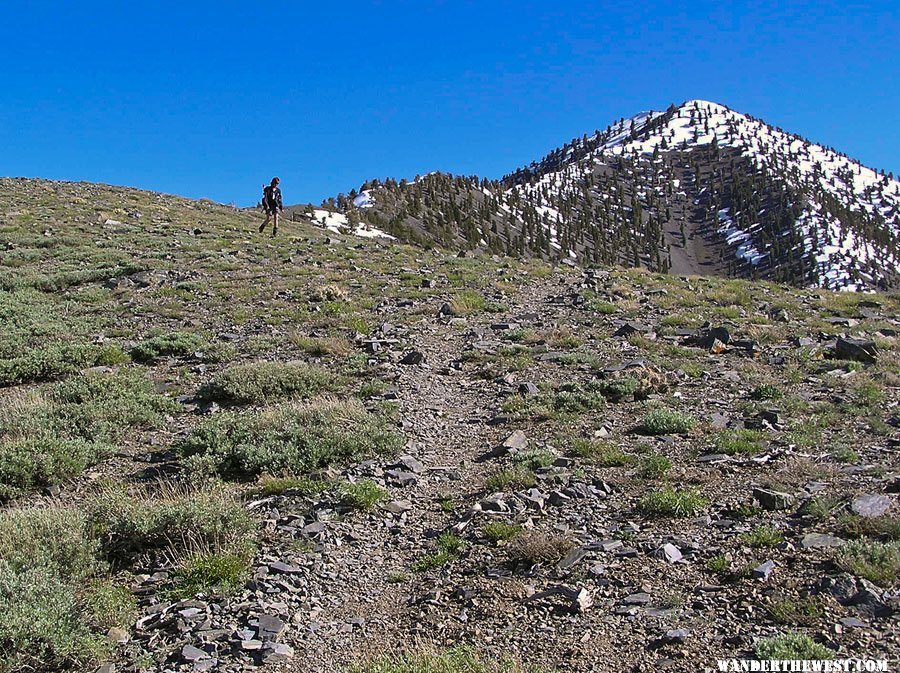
point(695, 189)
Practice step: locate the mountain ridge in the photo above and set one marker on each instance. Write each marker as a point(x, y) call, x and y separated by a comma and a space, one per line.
point(695, 189)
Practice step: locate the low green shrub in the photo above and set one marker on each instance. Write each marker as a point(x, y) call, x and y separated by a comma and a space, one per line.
point(101, 405)
point(55, 539)
point(513, 478)
point(667, 422)
point(766, 392)
point(257, 382)
point(209, 572)
point(877, 562)
point(796, 612)
point(499, 531)
point(791, 646)
point(42, 624)
point(654, 465)
point(674, 503)
point(53, 361)
point(108, 604)
point(296, 438)
point(534, 459)
point(131, 524)
point(44, 460)
point(304, 486)
point(740, 441)
point(601, 452)
point(362, 495)
point(762, 536)
point(176, 343)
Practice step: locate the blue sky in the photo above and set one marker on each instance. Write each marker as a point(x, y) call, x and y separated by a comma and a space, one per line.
point(210, 99)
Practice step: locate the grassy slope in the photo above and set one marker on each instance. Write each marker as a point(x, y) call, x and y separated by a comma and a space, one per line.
point(91, 273)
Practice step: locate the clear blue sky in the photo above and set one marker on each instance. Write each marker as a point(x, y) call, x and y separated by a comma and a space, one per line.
point(213, 98)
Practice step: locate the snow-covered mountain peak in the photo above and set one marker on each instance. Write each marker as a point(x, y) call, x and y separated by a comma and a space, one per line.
point(697, 188)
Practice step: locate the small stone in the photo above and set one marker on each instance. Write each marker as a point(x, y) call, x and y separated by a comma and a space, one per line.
point(516, 441)
point(853, 623)
point(277, 652)
point(583, 600)
point(820, 541)
point(410, 463)
point(861, 350)
point(413, 358)
point(117, 635)
point(285, 568)
point(640, 598)
point(572, 558)
point(190, 653)
point(632, 327)
point(269, 627)
point(398, 506)
point(669, 553)
point(314, 528)
point(527, 389)
point(773, 500)
point(871, 506)
point(677, 635)
point(763, 571)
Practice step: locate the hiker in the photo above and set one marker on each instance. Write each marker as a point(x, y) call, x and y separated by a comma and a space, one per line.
point(272, 205)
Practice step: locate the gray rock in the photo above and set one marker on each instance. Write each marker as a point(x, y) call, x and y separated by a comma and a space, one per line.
point(676, 635)
point(528, 389)
point(410, 463)
point(285, 568)
point(516, 441)
point(632, 327)
point(640, 598)
point(276, 652)
point(189, 653)
point(534, 497)
point(871, 506)
point(773, 500)
point(861, 350)
point(583, 600)
point(413, 358)
point(269, 627)
point(398, 506)
point(669, 552)
point(401, 477)
point(853, 623)
point(572, 558)
point(763, 571)
point(314, 528)
point(820, 540)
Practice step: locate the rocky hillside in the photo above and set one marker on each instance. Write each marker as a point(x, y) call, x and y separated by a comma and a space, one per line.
point(698, 188)
point(324, 452)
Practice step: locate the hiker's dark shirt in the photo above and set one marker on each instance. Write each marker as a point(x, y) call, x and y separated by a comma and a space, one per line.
point(272, 200)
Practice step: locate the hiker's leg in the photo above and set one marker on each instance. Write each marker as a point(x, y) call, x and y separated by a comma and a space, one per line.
point(275, 224)
point(265, 222)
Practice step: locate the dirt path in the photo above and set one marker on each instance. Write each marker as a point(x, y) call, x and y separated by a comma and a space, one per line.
point(363, 599)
